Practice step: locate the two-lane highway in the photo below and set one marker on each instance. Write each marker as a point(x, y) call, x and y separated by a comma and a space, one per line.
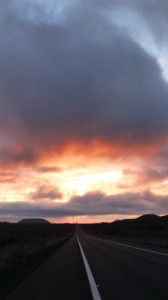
point(88, 268)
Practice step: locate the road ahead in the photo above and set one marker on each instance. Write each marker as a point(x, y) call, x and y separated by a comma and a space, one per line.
point(126, 272)
point(119, 272)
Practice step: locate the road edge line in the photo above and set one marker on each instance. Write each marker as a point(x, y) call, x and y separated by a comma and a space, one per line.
point(94, 289)
point(132, 247)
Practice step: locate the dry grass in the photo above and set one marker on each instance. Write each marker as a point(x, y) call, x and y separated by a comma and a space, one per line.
point(18, 243)
point(149, 229)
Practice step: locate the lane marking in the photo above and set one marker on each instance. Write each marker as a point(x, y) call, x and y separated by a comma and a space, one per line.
point(94, 289)
point(133, 247)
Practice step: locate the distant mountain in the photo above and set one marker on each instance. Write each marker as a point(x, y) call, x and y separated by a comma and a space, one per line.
point(34, 221)
point(148, 217)
point(142, 222)
point(4, 222)
point(146, 225)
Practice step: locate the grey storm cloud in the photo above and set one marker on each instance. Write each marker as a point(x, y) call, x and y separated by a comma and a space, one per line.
point(14, 156)
point(74, 77)
point(154, 174)
point(155, 14)
point(46, 192)
point(91, 204)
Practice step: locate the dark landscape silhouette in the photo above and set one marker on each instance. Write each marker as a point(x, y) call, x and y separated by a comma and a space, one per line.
point(25, 245)
point(149, 229)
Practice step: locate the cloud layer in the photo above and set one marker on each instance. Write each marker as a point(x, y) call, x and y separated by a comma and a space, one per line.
point(74, 82)
point(76, 88)
point(91, 204)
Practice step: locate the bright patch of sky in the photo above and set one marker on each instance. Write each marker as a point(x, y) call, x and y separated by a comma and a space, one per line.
point(134, 25)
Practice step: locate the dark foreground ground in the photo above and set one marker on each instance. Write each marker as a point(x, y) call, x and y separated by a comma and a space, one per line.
point(120, 270)
point(24, 247)
point(128, 260)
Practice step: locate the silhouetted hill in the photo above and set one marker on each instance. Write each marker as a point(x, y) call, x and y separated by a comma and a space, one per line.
point(34, 221)
point(148, 228)
point(149, 217)
point(5, 223)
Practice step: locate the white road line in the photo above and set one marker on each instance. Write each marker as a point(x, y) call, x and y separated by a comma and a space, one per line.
point(94, 289)
point(133, 247)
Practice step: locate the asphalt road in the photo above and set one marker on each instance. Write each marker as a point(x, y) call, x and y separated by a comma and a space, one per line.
point(123, 272)
point(61, 277)
point(119, 272)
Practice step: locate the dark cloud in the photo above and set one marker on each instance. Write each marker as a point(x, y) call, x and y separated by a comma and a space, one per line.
point(12, 156)
point(150, 174)
point(75, 81)
point(46, 192)
point(46, 169)
point(98, 203)
point(91, 204)
point(155, 13)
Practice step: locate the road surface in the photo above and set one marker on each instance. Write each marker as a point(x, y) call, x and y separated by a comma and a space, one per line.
point(88, 268)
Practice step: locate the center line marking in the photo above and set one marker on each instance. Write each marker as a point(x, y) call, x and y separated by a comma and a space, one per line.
point(94, 289)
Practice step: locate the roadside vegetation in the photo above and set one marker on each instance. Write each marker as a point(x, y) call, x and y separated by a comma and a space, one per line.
point(23, 247)
point(147, 229)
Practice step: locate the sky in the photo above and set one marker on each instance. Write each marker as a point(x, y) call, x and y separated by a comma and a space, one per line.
point(83, 109)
